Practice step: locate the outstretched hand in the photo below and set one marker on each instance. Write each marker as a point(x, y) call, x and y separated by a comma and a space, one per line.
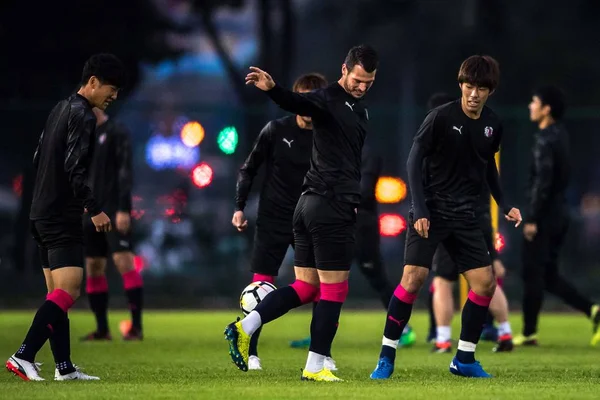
point(514, 215)
point(260, 79)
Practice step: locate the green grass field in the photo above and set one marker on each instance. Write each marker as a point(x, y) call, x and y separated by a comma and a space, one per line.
point(184, 355)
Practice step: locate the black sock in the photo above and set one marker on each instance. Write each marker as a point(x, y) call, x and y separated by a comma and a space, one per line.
point(432, 323)
point(397, 318)
point(278, 303)
point(489, 319)
point(473, 317)
point(323, 326)
point(135, 298)
point(99, 306)
point(60, 343)
point(254, 342)
point(46, 318)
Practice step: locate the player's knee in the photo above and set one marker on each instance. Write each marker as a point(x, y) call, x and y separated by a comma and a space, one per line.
point(123, 261)
point(305, 291)
point(95, 266)
point(485, 287)
point(413, 278)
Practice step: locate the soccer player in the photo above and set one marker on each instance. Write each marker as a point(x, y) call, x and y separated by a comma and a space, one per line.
point(325, 216)
point(60, 194)
point(110, 179)
point(458, 141)
point(547, 217)
point(284, 146)
point(446, 273)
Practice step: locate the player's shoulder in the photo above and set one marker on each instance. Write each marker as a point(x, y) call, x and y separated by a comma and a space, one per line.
point(280, 125)
point(80, 109)
point(490, 116)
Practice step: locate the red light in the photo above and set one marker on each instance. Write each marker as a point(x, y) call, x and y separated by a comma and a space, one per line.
point(499, 242)
point(202, 175)
point(391, 224)
point(17, 185)
point(169, 212)
point(139, 263)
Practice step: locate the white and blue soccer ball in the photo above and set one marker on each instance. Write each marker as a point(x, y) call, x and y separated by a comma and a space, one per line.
point(253, 294)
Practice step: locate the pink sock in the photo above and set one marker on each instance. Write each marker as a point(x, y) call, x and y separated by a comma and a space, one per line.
point(132, 280)
point(263, 278)
point(61, 299)
point(96, 284)
point(336, 292)
point(500, 281)
point(404, 296)
point(317, 297)
point(482, 301)
point(306, 292)
point(431, 288)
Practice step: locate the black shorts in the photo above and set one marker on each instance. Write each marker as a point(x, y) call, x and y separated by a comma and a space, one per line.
point(60, 242)
point(101, 244)
point(464, 241)
point(324, 233)
point(367, 251)
point(445, 267)
point(272, 238)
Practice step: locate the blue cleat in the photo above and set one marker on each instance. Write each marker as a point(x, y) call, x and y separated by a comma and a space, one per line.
point(489, 333)
point(300, 343)
point(474, 370)
point(384, 369)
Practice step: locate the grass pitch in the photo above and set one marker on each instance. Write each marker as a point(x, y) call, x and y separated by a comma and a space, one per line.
point(185, 356)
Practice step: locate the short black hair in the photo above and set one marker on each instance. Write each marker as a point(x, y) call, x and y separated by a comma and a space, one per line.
point(363, 55)
point(310, 81)
point(482, 71)
point(555, 98)
point(438, 99)
point(106, 67)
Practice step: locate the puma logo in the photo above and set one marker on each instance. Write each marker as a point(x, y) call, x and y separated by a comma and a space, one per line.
point(288, 142)
point(350, 106)
point(395, 320)
point(458, 129)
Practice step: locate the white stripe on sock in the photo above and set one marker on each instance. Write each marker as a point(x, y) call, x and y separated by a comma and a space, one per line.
point(466, 346)
point(251, 323)
point(504, 328)
point(389, 342)
point(314, 362)
point(444, 334)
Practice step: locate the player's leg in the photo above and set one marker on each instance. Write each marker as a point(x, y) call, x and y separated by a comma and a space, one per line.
point(446, 273)
point(418, 256)
point(468, 249)
point(556, 284)
point(431, 336)
point(499, 310)
point(280, 301)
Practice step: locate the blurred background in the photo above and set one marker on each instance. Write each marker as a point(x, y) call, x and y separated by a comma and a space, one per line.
point(192, 120)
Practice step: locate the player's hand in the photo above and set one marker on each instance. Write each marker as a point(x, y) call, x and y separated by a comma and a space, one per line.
point(123, 221)
point(529, 231)
point(422, 227)
point(239, 221)
point(499, 270)
point(260, 79)
point(102, 222)
point(514, 215)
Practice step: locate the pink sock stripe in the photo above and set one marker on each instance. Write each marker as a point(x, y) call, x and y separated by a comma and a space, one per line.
point(132, 280)
point(404, 296)
point(305, 291)
point(264, 278)
point(500, 281)
point(334, 291)
point(317, 297)
point(61, 299)
point(431, 288)
point(479, 300)
point(96, 284)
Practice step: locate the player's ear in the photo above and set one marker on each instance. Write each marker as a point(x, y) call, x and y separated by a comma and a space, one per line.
point(344, 70)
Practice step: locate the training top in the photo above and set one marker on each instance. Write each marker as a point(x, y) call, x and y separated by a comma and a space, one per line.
point(549, 173)
point(340, 127)
point(61, 161)
point(110, 176)
point(372, 164)
point(459, 159)
point(285, 150)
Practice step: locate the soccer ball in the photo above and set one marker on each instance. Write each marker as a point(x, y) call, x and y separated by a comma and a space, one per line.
point(253, 294)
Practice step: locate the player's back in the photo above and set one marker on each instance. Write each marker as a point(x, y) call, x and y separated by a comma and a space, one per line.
point(53, 195)
point(339, 135)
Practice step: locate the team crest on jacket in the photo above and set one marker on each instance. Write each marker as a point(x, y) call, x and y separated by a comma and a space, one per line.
point(488, 131)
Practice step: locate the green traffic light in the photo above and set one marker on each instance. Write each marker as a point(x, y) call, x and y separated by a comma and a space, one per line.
point(228, 139)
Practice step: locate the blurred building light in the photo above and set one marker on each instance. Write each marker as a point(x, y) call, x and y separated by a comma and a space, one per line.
point(192, 134)
point(228, 140)
point(390, 190)
point(391, 224)
point(202, 175)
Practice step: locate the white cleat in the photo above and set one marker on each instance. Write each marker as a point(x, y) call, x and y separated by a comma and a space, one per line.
point(23, 369)
point(254, 363)
point(73, 376)
point(329, 364)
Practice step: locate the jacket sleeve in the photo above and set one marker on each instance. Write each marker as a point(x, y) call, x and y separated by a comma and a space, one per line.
point(260, 152)
point(80, 134)
point(125, 175)
point(371, 169)
point(36, 154)
point(308, 104)
point(543, 162)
